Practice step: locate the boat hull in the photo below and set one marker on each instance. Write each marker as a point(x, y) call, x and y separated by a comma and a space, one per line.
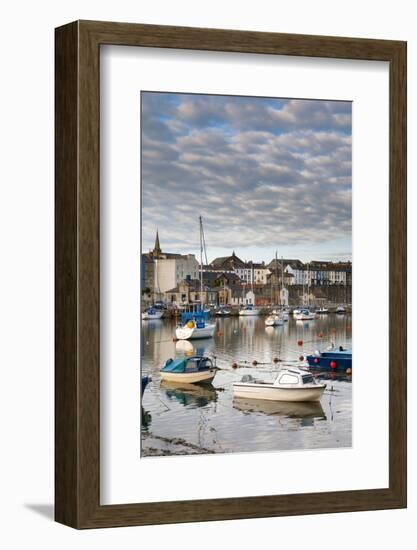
point(324, 362)
point(273, 393)
point(203, 377)
point(248, 312)
point(152, 316)
point(303, 317)
point(186, 333)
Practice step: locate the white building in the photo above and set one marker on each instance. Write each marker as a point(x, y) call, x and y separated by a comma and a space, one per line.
point(170, 269)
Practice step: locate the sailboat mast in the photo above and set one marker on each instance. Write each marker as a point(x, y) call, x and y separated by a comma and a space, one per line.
point(201, 260)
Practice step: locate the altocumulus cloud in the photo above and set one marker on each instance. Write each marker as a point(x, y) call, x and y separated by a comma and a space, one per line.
point(264, 174)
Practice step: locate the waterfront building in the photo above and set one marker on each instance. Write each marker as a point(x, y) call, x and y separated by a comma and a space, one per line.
point(295, 268)
point(189, 292)
point(162, 271)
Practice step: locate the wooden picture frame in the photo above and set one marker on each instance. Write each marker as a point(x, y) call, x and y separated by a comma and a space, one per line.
point(77, 359)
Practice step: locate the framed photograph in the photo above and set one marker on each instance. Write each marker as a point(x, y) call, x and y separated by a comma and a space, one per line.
point(230, 247)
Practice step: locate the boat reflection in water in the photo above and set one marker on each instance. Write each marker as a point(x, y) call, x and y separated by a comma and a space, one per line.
point(301, 410)
point(189, 395)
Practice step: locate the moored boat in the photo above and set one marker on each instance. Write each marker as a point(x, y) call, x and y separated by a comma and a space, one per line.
point(274, 321)
point(340, 310)
point(249, 310)
point(144, 381)
point(291, 384)
point(189, 370)
point(222, 312)
point(305, 315)
point(152, 313)
point(322, 311)
point(339, 359)
point(194, 325)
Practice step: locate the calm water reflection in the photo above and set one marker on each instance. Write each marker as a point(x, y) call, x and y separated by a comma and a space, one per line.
point(189, 419)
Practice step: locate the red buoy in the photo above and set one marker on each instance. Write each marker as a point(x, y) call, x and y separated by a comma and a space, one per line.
point(254, 362)
point(333, 364)
point(299, 343)
point(234, 365)
point(275, 360)
point(301, 358)
point(320, 335)
point(316, 360)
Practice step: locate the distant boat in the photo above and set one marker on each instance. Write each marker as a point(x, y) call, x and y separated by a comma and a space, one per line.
point(291, 384)
point(144, 381)
point(152, 313)
point(282, 313)
point(340, 310)
point(339, 359)
point(322, 311)
point(249, 310)
point(222, 312)
point(297, 310)
point(274, 321)
point(305, 315)
point(189, 370)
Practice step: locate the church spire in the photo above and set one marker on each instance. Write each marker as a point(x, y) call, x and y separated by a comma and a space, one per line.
point(157, 248)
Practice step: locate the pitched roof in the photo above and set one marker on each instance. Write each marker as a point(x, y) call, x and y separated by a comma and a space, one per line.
point(228, 261)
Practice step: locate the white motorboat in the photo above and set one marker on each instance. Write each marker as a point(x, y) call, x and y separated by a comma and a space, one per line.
point(322, 311)
point(305, 315)
point(222, 312)
point(340, 310)
point(249, 310)
point(297, 310)
point(152, 314)
point(274, 321)
point(291, 384)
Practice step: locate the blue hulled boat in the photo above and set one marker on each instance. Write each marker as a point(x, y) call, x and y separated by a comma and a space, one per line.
point(338, 359)
point(144, 381)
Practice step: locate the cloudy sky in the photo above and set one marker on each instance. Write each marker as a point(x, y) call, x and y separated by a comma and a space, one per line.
point(265, 174)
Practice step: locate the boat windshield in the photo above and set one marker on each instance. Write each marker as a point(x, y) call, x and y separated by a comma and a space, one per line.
point(308, 379)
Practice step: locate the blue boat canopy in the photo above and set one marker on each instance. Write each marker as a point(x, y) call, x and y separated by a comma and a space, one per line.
point(187, 364)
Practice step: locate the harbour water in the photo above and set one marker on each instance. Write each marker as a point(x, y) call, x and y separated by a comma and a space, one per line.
point(207, 419)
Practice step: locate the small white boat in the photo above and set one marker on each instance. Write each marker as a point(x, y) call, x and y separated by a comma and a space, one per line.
point(322, 311)
point(297, 310)
point(189, 370)
point(274, 321)
point(283, 314)
point(222, 312)
point(291, 384)
point(305, 315)
point(152, 313)
point(249, 310)
point(195, 329)
point(340, 310)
